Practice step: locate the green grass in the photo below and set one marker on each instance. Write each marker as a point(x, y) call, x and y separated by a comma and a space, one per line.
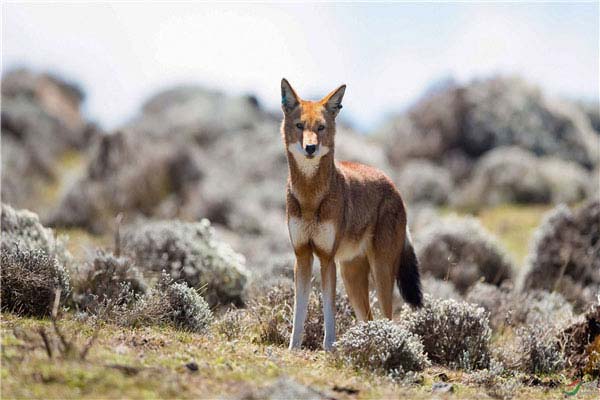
point(512, 224)
point(150, 362)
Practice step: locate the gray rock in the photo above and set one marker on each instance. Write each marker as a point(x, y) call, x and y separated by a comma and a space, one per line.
point(442, 387)
point(285, 389)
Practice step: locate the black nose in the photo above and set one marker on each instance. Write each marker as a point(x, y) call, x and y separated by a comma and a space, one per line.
point(310, 148)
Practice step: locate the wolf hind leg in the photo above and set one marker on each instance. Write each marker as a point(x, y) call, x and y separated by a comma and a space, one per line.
point(382, 268)
point(355, 274)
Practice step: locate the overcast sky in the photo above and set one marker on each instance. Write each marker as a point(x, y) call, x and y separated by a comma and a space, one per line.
point(387, 54)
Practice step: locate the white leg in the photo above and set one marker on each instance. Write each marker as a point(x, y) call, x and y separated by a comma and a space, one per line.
point(302, 276)
point(328, 289)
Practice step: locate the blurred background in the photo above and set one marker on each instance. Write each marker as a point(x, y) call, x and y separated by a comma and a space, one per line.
point(388, 54)
point(164, 111)
point(147, 136)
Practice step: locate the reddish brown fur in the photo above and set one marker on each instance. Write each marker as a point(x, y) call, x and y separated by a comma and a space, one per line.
point(359, 200)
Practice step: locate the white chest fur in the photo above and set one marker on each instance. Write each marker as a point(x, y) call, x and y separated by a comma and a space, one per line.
point(321, 234)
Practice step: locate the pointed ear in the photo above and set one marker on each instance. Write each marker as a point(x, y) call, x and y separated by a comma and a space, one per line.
point(289, 98)
point(333, 101)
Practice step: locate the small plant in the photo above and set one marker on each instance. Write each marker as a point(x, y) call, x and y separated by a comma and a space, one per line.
point(273, 314)
point(22, 229)
point(456, 334)
point(489, 376)
point(104, 278)
point(382, 345)
point(538, 352)
point(187, 309)
point(167, 303)
point(232, 324)
point(29, 279)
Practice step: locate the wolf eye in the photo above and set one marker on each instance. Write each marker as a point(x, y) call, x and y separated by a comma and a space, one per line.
point(299, 126)
point(321, 127)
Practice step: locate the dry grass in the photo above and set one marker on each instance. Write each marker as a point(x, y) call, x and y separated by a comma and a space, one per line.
point(151, 363)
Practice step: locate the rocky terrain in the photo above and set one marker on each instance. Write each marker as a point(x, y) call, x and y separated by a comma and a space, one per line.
point(177, 219)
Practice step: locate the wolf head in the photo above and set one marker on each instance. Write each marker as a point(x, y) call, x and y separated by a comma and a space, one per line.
point(309, 126)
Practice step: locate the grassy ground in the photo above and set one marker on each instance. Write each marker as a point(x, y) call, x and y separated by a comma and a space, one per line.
point(151, 362)
point(514, 226)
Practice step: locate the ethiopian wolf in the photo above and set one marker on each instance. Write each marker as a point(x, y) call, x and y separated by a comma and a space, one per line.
point(342, 212)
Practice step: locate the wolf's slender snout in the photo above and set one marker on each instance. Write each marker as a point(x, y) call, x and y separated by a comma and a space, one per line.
point(310, 149)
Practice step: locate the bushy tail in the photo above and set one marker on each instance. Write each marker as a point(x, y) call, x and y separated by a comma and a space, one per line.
point(407, 277)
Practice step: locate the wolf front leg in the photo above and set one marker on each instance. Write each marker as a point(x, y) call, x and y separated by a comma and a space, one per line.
point(302, 276)
point(328, 290)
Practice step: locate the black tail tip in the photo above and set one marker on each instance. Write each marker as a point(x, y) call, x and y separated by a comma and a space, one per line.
point(413, 296)
point(408, 278)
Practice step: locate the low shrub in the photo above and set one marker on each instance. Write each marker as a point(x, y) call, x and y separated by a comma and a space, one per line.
point(132, 173)
point(103, 280)
point(498, 381)
point(382, 345)
point(189, 253)
point(439, 288)
point(505, 175)
point(232, 325)
point(488, 376)
point(514, 175)
point(273, 316)
point(509, 308)
point(188, 310)
point(456, 334)
point(565, 254)
point(34, 264)
point(460, 250)
point(30, 278)
point(568, 181)
point(538, 352)
point(22, 228)
point(168, 302)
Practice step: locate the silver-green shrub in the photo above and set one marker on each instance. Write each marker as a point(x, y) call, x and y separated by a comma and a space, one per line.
point(382, 345)
point(232, 325)
point(188, 310)
point(454, 333)
point(565, 254)
point(508, 307)
point(103, 278)
point(538, 351)
point(22, 228)
point(460, 250)
point(188, 252)
point(30, 279)
point(34, 264)
point(169, 303)
point(423, 181)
